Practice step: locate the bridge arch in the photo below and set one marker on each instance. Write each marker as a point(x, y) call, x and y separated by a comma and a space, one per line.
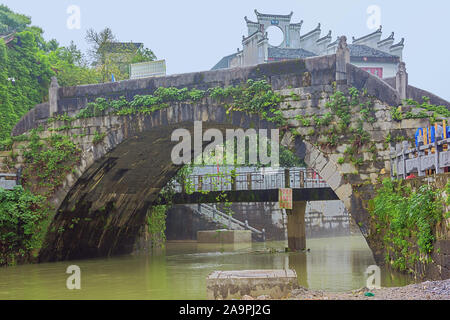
point(103, 203)
point(105, 198)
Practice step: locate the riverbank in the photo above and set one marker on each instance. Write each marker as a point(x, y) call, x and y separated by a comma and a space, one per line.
point(436, 290)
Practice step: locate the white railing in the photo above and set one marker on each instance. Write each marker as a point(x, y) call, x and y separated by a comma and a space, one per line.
point(420, 160)
point(298, 178)
point(225, 219)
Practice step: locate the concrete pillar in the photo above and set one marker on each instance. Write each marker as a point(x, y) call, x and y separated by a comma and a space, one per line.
point(296, 227)
point(401, 81)
point(53, 96)
point(342, 59)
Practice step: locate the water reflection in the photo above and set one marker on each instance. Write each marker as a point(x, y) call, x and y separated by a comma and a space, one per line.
point(180, 270)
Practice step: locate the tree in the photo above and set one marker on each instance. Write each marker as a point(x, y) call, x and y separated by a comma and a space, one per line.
point(112, 57)
point(99, 42)
point(143, 55)
point(31, 69)
point(72, 68)
point(12, 22)
point(8, 118)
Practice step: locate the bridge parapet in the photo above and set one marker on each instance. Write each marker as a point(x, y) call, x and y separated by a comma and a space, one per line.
point(317, 71)
point(420, 160)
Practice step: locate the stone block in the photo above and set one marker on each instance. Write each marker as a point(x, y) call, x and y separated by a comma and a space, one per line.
point(378, 107)
point(224, 236)
point(293, 123)
point(344, 192)
point(311, 155)
point(335, 181)
point(414, 123)
point(320, 163)
point(292, 113)
point(348, 168)
point(328, 171)
point(227, 285)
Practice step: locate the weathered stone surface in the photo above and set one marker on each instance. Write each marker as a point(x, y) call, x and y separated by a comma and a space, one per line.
point(227, 285)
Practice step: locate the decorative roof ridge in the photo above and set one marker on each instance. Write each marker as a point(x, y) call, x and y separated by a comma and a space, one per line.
point(368, 35)
point(298, 24)
point(390, 38)
point(249, 21)
point(311, 32)
point(265, 37)
point(289, 16)
point(334, 43)
point(250, 36)
point(328, 36)
point(400, 44)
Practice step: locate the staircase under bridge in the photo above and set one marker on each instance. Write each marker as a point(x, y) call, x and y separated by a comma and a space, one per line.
point(251, 185)
point(226, 221)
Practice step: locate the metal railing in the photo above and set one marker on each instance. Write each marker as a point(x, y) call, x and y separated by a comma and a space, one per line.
point(226, 220)
point(421, 160)
point(299, 178)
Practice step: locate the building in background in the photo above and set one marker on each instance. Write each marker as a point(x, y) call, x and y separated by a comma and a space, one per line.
point(121, 53)
point(378, 56)
point(148, 69)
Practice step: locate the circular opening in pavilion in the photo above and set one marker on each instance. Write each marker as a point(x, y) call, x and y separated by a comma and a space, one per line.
point(275, 35)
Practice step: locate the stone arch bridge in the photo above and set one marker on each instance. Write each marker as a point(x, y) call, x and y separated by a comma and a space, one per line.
point(118, 179)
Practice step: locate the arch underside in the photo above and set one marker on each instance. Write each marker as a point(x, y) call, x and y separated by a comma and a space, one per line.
point(105, 209)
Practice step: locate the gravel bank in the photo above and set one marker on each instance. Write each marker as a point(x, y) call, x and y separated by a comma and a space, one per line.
point(436, 290)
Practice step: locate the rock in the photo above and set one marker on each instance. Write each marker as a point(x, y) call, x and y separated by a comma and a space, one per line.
point(247, 298)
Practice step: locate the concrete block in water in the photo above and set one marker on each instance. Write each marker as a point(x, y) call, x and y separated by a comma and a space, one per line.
point(224, 236)
point(227, 285)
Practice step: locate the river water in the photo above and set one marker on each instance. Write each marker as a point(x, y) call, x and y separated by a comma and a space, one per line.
point(179, 270)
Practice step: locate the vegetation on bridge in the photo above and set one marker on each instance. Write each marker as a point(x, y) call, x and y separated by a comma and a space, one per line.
point(406, 222)
point(253, 97)
point(23, 217)
point(25, 212)
point(327, 132)
point(424, 110)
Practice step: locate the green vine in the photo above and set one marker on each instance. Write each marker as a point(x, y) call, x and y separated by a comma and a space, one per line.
point(22, 218)
point(253, 97)
point(156, 225)
point(406, 221)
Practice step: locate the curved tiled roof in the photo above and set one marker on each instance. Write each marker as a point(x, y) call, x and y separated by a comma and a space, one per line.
point(359, 52)
point(283, 53)
point(225, 62)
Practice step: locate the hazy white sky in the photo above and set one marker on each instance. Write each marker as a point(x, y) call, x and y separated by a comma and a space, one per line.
point(193, 35)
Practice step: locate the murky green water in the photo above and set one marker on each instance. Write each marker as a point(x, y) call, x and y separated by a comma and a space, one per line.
point(180, 270)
